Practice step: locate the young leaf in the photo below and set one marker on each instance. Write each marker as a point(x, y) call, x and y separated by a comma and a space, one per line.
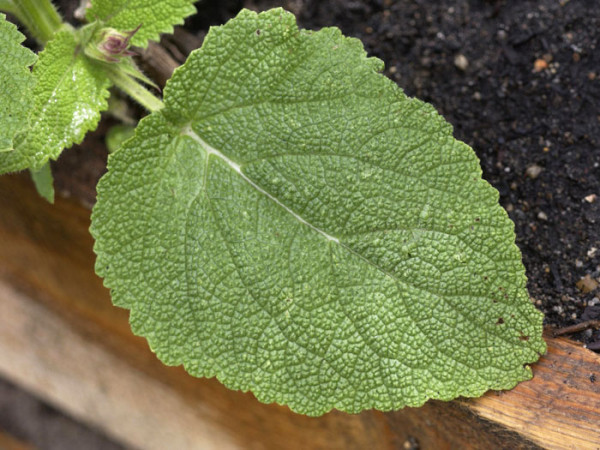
point(44, 182)
point(69, 94)
point(117, 135)
point(294, 225)
point(15, 83)
point(154, 16)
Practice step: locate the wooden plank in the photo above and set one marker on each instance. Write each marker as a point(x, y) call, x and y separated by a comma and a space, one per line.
point(560, 407)
point(9, 442)
point(45, 355)
point(46, 261)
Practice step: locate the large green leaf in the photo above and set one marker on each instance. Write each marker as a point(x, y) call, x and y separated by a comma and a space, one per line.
point(294, 225)
point(69, 93)
point(15, 83)
point(154, 16)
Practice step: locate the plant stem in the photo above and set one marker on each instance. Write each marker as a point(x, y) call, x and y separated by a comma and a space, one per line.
point(132, 88)
point(8, 7)
point(40, 17)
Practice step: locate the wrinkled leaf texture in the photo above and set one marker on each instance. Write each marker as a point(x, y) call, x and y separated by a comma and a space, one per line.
point(15, 82)
point(69, 93)
point(294, 225)
point(153, 16)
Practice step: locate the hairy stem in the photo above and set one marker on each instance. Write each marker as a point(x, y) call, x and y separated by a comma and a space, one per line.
point(134, 89)
point(39, 17)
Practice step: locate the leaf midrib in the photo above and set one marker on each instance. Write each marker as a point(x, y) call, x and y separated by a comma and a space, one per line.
point(187, 131)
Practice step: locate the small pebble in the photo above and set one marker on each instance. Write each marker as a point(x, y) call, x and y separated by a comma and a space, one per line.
point(411, 444)
point(588, 333)
point(542, 215)
point(539, 65)
point(461, 62)
point(591, 198)
point(587, 284)
point(533, 171)
point(578, 263)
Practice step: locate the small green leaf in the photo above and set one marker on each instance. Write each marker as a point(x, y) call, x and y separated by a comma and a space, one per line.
point(44, 182)
point(154, 16)
point(16, 82)
point(69, 94)
point(117, 135)
point(294, 225)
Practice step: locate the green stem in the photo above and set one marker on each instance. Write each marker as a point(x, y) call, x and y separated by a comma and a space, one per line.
point(40, 17)
point(8, 7)
point(132, 88)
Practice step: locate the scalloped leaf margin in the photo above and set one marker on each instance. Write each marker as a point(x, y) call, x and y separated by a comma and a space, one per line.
point(294, 225)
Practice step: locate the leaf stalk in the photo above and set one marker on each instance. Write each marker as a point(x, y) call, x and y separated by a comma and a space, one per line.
point(39, 17)
point(132, 88)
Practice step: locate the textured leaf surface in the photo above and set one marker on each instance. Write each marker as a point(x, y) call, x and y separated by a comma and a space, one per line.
point(15, 82)
point(69, 93)
point(155, 16)
point(294, 225)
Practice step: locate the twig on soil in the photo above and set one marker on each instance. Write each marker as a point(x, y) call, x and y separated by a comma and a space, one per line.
point(577, 327)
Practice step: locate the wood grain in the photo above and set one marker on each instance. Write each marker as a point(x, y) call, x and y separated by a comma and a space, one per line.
point(560, 407)
point(61, 338)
